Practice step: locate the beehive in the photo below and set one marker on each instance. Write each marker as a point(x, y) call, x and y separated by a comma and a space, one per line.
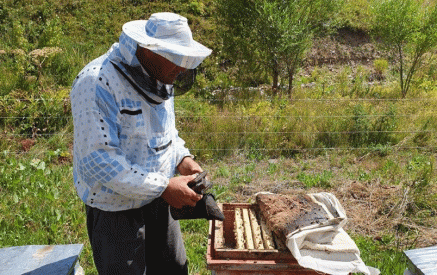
point(242, 244)
point(422, 260)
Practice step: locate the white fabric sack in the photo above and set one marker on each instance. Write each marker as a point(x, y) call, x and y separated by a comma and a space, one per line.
point(326, 247)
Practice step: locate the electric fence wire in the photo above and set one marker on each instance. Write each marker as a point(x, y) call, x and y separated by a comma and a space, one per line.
point(182, 116)
point(291, 150)
point(249, 100)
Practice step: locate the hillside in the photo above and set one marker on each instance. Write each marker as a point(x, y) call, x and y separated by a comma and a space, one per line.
point(346, 47)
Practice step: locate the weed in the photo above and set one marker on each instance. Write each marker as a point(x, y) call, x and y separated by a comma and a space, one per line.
point(363, 176)
point(360, 127)
point(378, 255)
point(255, 152)
point(421, 169)
point(242, 175)
point(343, 81)
point(272, 168)
point(380, 65)
point(390, 169)
point(223, 171)
point(360, 87)
point(384, 126)
point(315, 180)
point(382, 150)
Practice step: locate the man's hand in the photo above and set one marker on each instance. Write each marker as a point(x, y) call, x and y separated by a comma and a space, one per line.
point(178, 194)
point(189, 167)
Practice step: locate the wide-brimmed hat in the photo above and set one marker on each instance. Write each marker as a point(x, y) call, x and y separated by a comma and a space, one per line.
point(168, 35)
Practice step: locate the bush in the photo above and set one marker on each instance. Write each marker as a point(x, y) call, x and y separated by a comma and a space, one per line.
point(380, 66)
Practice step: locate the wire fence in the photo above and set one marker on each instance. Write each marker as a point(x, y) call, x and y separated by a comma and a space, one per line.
point(406, 114)
point(264, 99)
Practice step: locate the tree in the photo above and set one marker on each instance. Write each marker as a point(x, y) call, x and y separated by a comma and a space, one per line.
point(292, 34)
point(237, 20)
point(408, 29)
point(277, 33)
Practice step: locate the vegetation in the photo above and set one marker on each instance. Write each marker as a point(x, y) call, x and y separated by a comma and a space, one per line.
point(347, 130)
point(275, 34)
point(409, 30)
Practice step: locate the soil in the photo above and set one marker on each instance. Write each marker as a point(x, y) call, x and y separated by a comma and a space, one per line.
point(345, 47)
point(27, 144)
point(352, 48)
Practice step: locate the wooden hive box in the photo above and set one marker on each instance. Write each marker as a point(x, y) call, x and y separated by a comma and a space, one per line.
point(243, 245)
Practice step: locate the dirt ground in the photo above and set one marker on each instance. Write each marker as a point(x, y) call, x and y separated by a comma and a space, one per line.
point(347, 47)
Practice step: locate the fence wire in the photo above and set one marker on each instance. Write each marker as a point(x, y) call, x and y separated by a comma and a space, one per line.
point(182, 116)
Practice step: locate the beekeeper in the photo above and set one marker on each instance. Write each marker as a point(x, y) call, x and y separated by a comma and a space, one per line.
point(127, 149)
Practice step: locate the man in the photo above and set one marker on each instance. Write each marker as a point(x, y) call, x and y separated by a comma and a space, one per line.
point(127, 149)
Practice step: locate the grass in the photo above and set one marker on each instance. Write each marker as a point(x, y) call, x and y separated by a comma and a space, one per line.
point(380, 255)
point(39, 204)
point(195, 233)
point(270, 145)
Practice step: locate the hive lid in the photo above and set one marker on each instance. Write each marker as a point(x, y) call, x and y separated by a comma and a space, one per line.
point(39, 259)
point(423, 260)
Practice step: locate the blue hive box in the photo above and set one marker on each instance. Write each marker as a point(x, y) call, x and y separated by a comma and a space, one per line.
point(422, 261)
point(40, 260)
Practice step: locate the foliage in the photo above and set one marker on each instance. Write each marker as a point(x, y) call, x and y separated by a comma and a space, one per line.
point(420, 202)
point(318, 180)
point(355, 14)
point(381, 254)
point(365, 131)
point(290, 36)
point(35, 116)
point(408, 28)
point(273, 34)
point(38, 204)
point(381, 66)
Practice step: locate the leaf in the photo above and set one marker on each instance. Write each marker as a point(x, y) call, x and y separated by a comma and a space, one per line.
point(55, 194)
point(15, 198)
point(21, 167)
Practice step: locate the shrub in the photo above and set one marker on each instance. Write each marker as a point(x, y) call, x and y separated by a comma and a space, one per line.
point(408, 28)
point(380, 65)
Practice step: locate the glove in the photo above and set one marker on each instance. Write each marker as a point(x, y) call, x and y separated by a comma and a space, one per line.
point(206, 208)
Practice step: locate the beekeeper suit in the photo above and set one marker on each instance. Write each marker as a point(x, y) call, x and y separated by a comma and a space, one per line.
point(127, 149)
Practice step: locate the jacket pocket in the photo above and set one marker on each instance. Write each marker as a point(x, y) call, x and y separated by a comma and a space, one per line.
point(131, 112)
point(132, 122)
point(159, 144)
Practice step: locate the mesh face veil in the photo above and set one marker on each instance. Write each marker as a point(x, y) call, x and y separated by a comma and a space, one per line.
point(160, 68)
point(184, 82)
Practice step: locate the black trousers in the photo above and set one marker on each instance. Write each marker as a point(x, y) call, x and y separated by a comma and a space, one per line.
point(143, 241)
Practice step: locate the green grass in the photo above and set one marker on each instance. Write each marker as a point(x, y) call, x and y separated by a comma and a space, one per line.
point(318, 180)
point(382, 255)
point(39, 204)
point(195, 233)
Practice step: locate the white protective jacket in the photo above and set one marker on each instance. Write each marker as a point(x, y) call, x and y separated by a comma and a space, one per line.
point(125, 147)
